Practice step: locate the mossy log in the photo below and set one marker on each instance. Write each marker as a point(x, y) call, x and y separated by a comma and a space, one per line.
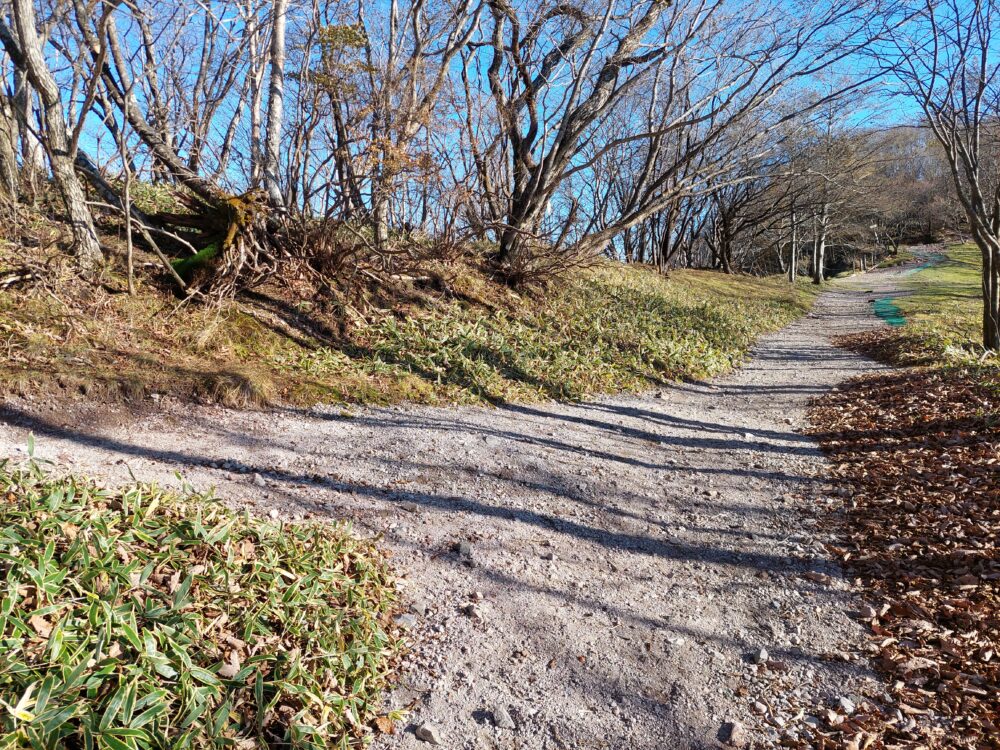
point(245, 244)
point(221, 245)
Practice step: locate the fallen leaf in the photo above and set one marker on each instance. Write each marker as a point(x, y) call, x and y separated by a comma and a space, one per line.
point(40, 625)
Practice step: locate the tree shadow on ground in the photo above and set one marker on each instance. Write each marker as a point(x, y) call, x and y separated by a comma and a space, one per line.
point(623, 524)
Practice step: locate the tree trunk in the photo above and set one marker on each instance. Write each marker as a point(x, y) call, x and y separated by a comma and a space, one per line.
point(256, 84)
point(345, 170)
point(9, 177)
point(523, 223)
point(26, 51)
point(666, 247)
point(726, 245)
point(726, 254)
point(793, 255)
point(380, 216)
point(991, 295)
point(819, 246)
point(32, 160)
point(276, 96)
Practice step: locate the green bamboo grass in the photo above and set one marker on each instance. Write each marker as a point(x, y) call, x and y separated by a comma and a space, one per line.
point(137, 619)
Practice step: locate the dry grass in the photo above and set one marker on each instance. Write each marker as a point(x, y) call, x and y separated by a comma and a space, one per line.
point(451, 335)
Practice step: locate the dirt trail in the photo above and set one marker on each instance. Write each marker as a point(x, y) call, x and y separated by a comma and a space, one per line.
point(632, 554)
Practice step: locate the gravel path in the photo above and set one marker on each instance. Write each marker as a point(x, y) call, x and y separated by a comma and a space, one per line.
point(596, 575)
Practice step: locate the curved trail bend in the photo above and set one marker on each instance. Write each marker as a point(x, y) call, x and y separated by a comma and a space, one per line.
point(633, 554)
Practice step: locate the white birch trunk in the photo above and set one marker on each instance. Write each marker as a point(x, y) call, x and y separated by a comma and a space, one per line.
point(275, 104)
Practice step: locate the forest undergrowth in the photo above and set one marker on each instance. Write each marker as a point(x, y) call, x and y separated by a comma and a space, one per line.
point(452, 333)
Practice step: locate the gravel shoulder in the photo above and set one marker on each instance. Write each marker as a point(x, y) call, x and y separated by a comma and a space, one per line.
point(593, 575)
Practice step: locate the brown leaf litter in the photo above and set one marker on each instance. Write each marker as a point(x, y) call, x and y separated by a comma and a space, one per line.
point(920, 452)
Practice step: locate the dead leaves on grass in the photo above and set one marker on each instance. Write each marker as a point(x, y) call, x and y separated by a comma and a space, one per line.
point(921, 451)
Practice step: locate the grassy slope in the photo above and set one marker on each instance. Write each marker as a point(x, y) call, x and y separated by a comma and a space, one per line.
point(943, 313)
point(903, 256)
point(606, 329)
point(945, 308)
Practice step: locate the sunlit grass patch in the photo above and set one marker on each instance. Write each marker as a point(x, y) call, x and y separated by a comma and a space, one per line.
point(943, 308)
point(136, 618)
point(609, 328)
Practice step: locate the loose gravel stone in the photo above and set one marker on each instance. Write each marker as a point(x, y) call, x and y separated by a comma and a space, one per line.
point(471, 610)
point(735, 734)
point(428, 733)
point(406, 621)
point(502, 719)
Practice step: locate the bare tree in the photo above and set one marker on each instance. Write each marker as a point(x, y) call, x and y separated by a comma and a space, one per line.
point(947, 61)
point(653, 131)
point(914, 200)
point(275, 104)
point(560, 77)
point(24, 46)
point(608, 54)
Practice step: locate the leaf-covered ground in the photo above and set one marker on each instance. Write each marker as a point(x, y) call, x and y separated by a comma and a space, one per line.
point(920, 452)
